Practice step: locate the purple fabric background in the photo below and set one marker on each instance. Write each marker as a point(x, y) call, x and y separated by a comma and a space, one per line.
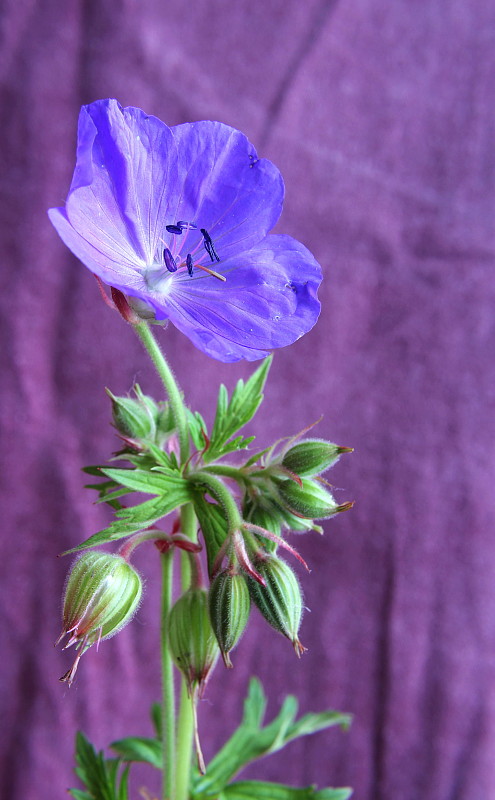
point(381, 118)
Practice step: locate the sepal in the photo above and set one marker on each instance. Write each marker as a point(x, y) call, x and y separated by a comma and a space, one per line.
point(279, 599)
point(229, 605)
point(192, 642)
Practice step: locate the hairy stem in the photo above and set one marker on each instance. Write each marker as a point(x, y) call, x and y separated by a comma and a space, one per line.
point(168, 692)
point(185, 722)
point(167, 377)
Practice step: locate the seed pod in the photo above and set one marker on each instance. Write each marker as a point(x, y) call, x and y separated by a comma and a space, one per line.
point(312, 457)
point(191, 638)
point(101, 596)
point(280, 600)
point(229, 605)
point(311, 500)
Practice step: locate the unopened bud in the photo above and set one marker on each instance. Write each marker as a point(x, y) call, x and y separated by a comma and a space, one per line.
point(101, 596)
point(312, 457)
point(191, 638)
point(229, 605)
point(310, 500)
point(280, 600)
point(135, 419)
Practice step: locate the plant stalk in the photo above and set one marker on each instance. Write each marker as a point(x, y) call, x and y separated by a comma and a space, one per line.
point(168, 691)
point(185, 722)
point(168, 379)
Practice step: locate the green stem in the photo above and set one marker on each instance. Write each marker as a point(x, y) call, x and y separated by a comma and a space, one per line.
point(167, 377)
point(168, 692)
point(185, 722)
point(222, 494)
point(226, 471)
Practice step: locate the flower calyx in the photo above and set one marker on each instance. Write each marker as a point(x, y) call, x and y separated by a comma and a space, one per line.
point(229, 605)
point(192, 641)
point(279, 599)
point(102, 594)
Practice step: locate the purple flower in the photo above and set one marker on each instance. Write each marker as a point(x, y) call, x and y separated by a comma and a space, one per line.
point(178, 219)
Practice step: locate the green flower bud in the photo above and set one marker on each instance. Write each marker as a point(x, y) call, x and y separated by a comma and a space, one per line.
point(280, 600)
point(312, 457)
point(229, 605)
point(191, 638)
point(101, 596)
point(310, 500)
point(135, 419)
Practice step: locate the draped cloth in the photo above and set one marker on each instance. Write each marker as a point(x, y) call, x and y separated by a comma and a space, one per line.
point(381, 117)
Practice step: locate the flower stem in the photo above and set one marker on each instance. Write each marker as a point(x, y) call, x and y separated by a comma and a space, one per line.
point(185, 722)
point(168, 692)
point(167, 377)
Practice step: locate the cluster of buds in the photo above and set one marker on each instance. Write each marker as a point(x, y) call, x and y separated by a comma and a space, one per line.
point(289, 492)
point(102, 595)
point(140, 420)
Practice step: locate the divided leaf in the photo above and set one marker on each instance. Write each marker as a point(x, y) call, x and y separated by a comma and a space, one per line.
point(234, 414)
point(252, 741)
point(99, 775)
point(139, 517)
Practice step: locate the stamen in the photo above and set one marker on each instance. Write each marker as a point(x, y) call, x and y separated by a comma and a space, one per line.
point(186, 226)
point(209, 246)
point(211, 272)
point(169, 260)
point(189, 264)
point(174, 229)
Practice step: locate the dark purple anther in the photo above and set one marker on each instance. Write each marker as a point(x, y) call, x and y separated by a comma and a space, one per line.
point(186, 226)
point(189, 264)
point(169, 260)
point(174, 229)
point(209, 246)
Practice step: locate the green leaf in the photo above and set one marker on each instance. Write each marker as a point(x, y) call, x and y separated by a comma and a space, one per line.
point(252, 741)
point(156, 718)
point(233, 415)
point(213, 525)
point(92, 771)
point(197, 429)
point(139, 480)
point(248, 742)
point(139, 517)
point(123, 792)
point(80, 795)
point(247, 790)
point(311, 723)
point(136, 748)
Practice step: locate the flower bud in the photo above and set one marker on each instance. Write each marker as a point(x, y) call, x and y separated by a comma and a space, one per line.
point(191, 638)
point(229, 604)
point(101, 596)
point(135, 419)
point(310, 500)
point(312, 457)
point(280, 600)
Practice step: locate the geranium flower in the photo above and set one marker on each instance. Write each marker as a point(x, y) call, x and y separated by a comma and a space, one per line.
point(178, 220)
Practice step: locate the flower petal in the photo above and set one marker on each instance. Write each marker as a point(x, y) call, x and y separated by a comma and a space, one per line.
point(269, 300)
point(119, 274)
point(225, 188)
point(124, 183)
